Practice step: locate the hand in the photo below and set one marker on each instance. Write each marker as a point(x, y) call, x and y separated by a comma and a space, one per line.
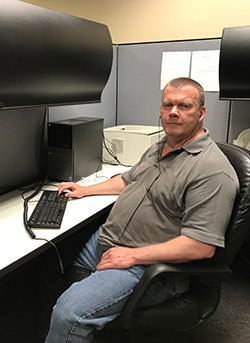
point(76, 191)
point(117, 258)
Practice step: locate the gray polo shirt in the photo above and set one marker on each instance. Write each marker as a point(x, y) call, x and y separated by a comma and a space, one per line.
point(189, 191)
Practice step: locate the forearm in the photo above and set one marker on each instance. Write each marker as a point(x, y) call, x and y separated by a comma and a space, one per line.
point(179, 250)
point(112, 186)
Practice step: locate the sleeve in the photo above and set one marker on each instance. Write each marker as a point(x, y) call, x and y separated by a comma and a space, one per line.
point(208, 206)
point(126, 176)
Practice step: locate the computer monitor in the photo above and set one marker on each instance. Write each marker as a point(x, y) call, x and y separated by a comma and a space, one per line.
point(50, 58)
point(23, 148)
point(234, 71)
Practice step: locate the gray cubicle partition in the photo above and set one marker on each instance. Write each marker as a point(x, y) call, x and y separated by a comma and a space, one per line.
point(132, 94)
point(139, 94)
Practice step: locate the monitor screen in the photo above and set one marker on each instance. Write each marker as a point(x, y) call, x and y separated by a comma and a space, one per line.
point(23, 148)
point(50, 58)
point(234, 71)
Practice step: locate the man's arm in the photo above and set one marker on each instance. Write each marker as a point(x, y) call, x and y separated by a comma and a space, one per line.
point(178, 250)
point(112, 186)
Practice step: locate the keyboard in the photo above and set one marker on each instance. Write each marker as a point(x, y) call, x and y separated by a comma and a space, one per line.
point(49, 211)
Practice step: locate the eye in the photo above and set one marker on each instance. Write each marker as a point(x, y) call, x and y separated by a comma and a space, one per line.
point(167, 105)
point(185, 106)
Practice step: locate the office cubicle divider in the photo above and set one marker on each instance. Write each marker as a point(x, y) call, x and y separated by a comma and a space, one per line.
point(132, 95)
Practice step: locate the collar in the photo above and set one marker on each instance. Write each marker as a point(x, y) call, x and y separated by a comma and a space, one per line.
point(196, 145)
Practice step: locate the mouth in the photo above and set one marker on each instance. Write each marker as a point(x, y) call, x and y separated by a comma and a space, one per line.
point(173, 123)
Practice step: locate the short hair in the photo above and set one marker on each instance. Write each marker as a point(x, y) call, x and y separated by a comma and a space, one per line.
point(181, 82)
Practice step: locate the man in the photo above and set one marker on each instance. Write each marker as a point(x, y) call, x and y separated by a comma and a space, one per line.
point(168, 210)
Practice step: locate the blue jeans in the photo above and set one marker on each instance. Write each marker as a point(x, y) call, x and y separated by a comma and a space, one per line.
point(95, 301)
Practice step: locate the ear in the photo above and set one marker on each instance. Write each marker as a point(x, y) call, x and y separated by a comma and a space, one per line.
point(202, 112)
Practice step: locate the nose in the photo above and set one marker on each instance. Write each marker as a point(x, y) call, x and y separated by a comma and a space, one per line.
point(174, 111)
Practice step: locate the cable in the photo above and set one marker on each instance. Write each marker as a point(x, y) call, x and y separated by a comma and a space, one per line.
point(57, 252)
point(112, 153)
point(25, 209)
point(159, 148)
point(32, 195)
point(28, 228)
point(141, 201)
point(109, 151)
point(161, 170)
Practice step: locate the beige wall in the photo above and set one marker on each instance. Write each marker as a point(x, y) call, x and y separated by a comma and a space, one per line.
point(132, 21)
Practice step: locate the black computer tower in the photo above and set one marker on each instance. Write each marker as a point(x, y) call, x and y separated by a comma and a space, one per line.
point(74, 148)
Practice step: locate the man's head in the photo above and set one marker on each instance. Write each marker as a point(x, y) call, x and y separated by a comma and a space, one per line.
point(182, 110)
point(181, 82)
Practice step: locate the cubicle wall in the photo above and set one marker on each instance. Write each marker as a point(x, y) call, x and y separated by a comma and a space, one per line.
point(139, 94)
point(132, 94)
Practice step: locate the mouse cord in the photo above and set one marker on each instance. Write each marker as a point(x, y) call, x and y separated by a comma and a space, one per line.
point(28, 228)
point(57, 252)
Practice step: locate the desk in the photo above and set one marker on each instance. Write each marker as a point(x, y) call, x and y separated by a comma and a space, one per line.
point(16, 246)
point(28, 290)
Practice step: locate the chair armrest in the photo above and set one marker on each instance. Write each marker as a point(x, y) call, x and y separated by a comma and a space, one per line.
point(202, 268)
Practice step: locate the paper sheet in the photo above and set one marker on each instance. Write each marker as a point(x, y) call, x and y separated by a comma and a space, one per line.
point(174, 64)
point(205, 69)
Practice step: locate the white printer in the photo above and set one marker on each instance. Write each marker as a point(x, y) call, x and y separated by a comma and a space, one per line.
point(128, 142)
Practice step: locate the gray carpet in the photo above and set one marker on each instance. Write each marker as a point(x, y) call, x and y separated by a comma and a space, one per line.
point(231, 322)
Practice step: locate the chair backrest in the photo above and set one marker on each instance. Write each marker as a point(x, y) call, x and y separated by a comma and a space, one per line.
point(239, 226)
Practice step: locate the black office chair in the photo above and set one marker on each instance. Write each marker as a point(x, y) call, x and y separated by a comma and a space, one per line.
point(198, 304)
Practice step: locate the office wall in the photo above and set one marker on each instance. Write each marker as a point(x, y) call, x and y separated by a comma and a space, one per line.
point(133, 21)
point(139, 94)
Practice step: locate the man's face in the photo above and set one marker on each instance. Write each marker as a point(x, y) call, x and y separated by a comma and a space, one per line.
point(181, 115)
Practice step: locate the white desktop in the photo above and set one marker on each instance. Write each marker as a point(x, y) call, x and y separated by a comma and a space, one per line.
point(129, 142)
